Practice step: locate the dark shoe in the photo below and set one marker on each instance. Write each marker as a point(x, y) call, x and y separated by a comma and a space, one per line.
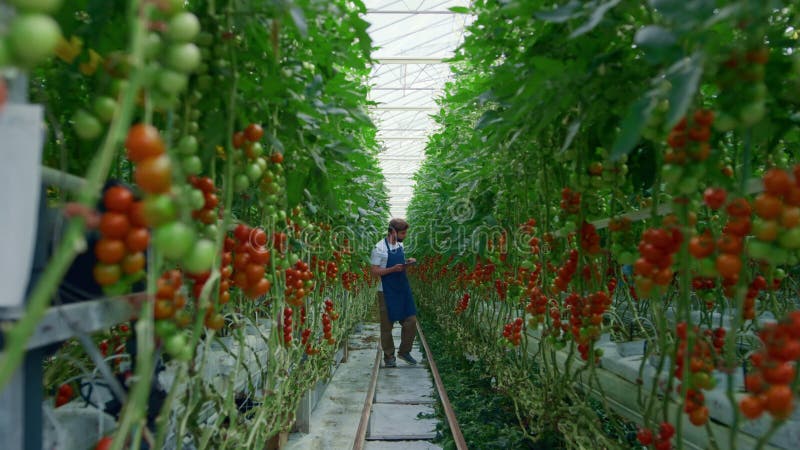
point(407, 358)
point(391, 362)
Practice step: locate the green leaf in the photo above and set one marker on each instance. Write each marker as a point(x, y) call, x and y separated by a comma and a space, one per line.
point(595, 18)
point(560, 14)
point(632, 126)
point(459, 9)
point(685, 78)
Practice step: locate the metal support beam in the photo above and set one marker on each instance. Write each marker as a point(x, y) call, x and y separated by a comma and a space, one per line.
point(404, 108)
point(415, 13)
point(409, 60)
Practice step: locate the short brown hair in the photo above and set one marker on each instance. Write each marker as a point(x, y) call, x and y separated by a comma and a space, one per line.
point(398, 225)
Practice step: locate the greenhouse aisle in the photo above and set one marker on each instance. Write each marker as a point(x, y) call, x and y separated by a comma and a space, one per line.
point(402, 406)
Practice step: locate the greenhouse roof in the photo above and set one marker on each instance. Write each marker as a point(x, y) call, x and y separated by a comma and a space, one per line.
point(412, 38)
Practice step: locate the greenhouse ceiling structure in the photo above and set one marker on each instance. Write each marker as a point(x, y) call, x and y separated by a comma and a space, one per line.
point(413, 39)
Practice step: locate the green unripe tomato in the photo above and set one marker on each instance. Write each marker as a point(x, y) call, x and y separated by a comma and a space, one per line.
point(105, 108)
point(176, 346)
point(184, 57)
point(211, 231)
point(174, 239)
point(241, 183)
point(86, 126)
point(187, 145)
point(196, 199)
point(253, 172)
point(165, 328)
point(159, 209)
point(152, 45)
point(192, 165)
point(172, 82)
point(200, 257)
point(33, 38)
point(183, 27)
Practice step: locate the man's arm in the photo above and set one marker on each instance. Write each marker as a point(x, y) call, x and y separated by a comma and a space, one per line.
point(378, 271)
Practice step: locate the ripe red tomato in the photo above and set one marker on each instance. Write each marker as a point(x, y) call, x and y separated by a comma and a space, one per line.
point(779, 401)
point(777, 182)
point(752, 407)
point(114, 225)
point(238, 139)
point(118, 199)
point(109, 251)
point(143, 142)
point(253, 132)
point(154, 175)
point(768, 206)
point(699, 416)
point(645, 436)
point(104, 443)
point(277, 158)
point(137, 239)
point(715, 197)
point(163, 309)
point(729, 265)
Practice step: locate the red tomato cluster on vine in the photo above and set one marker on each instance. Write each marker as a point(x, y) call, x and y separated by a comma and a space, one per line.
point(146, 150)
point(124, 238)
point(688, 139)
point(206, 214)
point(462, 304)
point(512, 331)
point(349, 281)
point(589, 239)
point(770, 384)
point(327, 329)
point(656, 250)
point(251, 255)
point(661, 442)
point(586, 318)
point(701, 365)
point(537, 305)
point(299, 282)
point(565, 273)
point(501, 287)
point(287, 326)
point(570, 201)
point(169, 298)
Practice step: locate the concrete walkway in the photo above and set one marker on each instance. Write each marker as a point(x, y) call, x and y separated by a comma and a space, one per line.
point(402, 414)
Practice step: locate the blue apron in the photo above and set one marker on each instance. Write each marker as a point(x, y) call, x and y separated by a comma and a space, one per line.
point(396, 290)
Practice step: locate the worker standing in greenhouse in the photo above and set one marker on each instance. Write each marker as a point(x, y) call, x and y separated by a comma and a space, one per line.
point(395, 301)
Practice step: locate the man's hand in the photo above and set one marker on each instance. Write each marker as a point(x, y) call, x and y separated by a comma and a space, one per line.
point(398, 268)
point(411, 261)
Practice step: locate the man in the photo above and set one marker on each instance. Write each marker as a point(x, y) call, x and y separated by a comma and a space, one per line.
point(395, 302)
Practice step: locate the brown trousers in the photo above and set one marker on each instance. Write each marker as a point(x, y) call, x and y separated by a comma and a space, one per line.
point(407, 333)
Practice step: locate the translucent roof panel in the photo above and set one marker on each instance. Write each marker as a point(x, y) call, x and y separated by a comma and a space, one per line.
point(413, 37)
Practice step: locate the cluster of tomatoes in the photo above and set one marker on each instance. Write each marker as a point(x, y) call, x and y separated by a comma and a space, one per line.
point(124, 238)
point(701, 366)
point(589, 239)
point(570, 201)
point(64, 395)
point(565, 273)
point(250, 259)
point(537, 305)
point(742, 89)
point(586, 319)
point(654, 266)
point(299, 282)
point(688, 140)
point(116, 341)
point(623, 240)
point(778, 216)
point(169, 298)
point(512, 331)
point(250, 163)
point(663, 441)
point(770, 384)
point(205, 212)
point(462, 304)
point(482, 273)
point(501, 287)
point(287, 325)
point(349, 280)
point(329, 315)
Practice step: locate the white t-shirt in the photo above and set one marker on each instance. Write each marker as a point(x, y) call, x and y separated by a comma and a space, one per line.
point(380, 256)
